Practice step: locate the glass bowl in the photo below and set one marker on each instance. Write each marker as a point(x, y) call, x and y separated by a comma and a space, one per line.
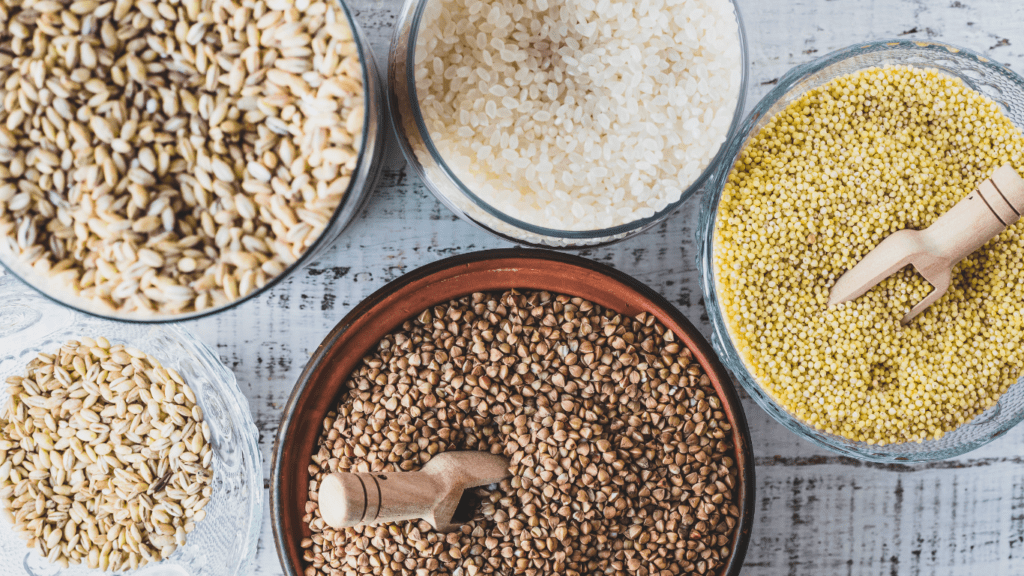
point(223, 543)
point(363, 180)
point(993, 80)
point(441, 180)
point(360, 332)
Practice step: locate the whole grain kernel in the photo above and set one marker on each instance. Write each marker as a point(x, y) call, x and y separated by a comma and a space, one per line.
point(158, 152)
point(822, 184)
point(609, 473)
point(104, 460)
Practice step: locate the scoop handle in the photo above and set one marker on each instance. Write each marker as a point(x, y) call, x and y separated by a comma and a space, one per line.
point(997, 204)
point(346, 499)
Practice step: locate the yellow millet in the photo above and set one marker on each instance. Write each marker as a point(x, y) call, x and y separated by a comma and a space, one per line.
point(822, 184)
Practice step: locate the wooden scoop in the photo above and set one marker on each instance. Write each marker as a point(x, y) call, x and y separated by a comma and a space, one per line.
point(997, 204)
point(432, 494)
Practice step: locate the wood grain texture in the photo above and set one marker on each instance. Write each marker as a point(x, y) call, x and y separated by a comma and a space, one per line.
point(818, 514)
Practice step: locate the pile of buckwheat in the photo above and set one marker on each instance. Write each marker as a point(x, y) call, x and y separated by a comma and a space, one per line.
point(621, 455)
point(819, 187)
point(104, 457)
point(160, 157)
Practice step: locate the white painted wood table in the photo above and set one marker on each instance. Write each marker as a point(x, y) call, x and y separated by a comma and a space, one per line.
point(817, 514)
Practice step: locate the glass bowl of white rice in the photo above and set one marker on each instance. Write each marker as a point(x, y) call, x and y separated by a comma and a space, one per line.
point(566, 123)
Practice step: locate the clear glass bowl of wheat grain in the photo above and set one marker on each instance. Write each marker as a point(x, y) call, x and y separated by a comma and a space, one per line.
point(224, 542)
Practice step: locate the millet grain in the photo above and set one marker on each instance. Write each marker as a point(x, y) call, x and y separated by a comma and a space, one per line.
point(823, 183)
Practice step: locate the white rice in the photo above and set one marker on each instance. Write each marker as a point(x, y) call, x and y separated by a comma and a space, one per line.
point(578, 114)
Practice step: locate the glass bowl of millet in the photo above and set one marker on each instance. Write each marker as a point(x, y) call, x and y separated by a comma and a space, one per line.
point(846, 150)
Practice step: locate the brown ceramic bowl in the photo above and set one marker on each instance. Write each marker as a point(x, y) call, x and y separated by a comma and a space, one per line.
point(359, 332)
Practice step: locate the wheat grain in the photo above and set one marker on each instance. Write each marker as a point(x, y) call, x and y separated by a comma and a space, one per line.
point(100, 440)
point(147, 144)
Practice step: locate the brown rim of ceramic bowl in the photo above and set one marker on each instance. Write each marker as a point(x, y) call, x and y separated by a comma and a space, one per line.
point(358, 333)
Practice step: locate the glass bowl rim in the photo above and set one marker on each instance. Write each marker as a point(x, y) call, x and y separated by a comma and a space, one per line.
point(417, 8)
point(319, 244)
point(722, 340)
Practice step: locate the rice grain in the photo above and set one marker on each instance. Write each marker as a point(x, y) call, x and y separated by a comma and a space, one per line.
point(524, 100)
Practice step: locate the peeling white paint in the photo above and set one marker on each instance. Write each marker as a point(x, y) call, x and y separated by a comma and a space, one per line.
point(817, 514)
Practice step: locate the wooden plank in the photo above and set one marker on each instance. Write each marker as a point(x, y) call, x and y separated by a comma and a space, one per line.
point(818, 514)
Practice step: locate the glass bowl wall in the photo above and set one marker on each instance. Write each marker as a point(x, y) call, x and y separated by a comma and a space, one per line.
point(993, 80)
point(424, 157)
point(223, 543)
point(363, 181)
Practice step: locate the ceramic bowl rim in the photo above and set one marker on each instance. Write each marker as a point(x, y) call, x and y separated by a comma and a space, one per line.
point(703, 353)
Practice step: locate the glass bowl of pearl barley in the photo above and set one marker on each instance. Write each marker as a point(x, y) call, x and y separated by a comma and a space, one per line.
point(123, 447)
point(847, 149)
point(553, 124)
point(169, 186)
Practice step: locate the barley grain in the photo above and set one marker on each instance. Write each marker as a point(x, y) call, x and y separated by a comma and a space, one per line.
point(94, 478)
point(129, 140)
